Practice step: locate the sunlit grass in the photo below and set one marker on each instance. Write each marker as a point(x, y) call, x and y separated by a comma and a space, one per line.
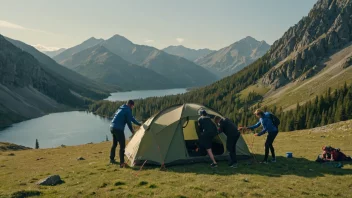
point(93, 177)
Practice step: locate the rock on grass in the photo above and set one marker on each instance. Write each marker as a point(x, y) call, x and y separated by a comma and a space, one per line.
point(51, 181)
point(80, 158)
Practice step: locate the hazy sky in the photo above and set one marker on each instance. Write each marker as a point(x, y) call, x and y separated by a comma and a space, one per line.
point(160, 23)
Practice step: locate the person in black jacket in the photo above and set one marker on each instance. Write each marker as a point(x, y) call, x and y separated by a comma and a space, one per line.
point(230, 129)
point(208, 131)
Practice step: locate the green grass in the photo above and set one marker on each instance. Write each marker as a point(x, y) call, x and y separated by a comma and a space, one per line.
point(94, 177)
point(257, 88)
point(333, 76)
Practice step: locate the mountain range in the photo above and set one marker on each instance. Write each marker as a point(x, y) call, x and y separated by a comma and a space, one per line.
point(187, 53)
point(63, 56)
point(234, 57)
point(99, 64)
point(32, 84)
point(178, 71)
point(311, 60)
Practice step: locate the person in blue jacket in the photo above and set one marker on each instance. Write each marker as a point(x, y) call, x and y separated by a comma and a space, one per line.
point(265, 119)
point(122, 117)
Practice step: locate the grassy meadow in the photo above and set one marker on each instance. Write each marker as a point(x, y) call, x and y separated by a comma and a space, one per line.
point(94, 177)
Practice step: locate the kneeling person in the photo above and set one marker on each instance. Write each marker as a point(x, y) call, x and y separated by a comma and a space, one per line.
point(232, 133)
point(208, 131)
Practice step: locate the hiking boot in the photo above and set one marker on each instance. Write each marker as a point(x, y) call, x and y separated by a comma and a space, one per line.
point(264, 162)
point(113, 162)
point(273, 160)
point(213, 165)
point(123, 165)
point(234, 165)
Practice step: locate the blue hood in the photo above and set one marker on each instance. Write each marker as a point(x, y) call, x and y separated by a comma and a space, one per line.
point(122, 117)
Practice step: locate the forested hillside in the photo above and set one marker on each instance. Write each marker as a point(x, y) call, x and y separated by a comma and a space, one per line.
point(332, 107)
point(225, 97)
point(222, 95)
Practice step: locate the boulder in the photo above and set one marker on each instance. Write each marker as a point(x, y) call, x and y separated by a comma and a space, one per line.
point(50, 181)
point(80, 158)
point(347, 63)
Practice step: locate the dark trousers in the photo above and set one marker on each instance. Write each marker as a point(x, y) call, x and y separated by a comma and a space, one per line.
point(231, 147)
point(269, 145)
point(118, 136)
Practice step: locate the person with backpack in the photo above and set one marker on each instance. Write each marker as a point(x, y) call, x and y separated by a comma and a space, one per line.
point(270, 124)
point(208, 131)
point(122, 117)
point(230, 129)
point(332, 154)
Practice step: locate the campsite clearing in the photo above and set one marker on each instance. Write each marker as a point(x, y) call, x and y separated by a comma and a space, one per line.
point(93, 177)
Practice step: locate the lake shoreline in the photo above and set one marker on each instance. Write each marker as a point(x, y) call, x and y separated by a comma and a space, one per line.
point(22, 119)
point(69, 109)
point(65, 123)
point(142, 94)
point(59, 128)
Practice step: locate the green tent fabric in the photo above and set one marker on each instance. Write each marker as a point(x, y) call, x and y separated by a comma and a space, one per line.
point(162, 138)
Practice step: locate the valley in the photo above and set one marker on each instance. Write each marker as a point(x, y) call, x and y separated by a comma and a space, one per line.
point(66, 69)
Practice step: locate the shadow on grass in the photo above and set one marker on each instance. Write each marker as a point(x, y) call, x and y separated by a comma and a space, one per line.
point(293, 166)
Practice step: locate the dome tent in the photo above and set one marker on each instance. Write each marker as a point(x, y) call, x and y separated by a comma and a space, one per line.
point(168, 137)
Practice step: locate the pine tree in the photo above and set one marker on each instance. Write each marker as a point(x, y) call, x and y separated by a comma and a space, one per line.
point(107, 139)
point(36, 144)
point(323, 119)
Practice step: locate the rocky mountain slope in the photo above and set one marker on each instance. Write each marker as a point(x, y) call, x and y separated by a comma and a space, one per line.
point(312, 56)
point(300, 52)
point(78, 83)
point(29, 88)
point(99, 64)
point(235, 57)
point(187, 53)
point(179, 71)
point(61, 58)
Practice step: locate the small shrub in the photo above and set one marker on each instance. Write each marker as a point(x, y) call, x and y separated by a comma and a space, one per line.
point(142, 183)
point(224, 194)
point(152, 186)
point(180, 196)
point(119, 183)
point(25, 193)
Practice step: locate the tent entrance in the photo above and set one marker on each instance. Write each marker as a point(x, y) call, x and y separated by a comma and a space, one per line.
point(191, 133)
